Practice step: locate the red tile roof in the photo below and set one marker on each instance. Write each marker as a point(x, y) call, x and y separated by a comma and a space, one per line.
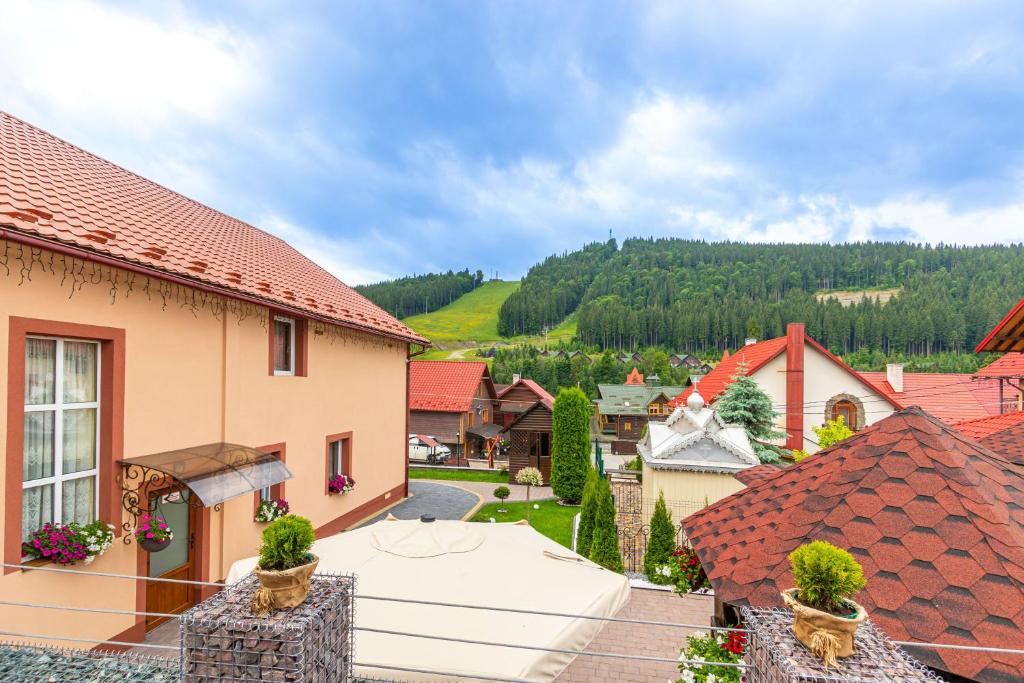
point(445, 386)
point(936, 520)
point(1009, 365)
point(1008, 335)
point(757, 474)
point(951, 397)
point(540, 392)
point(1003, 434)
point(64, 196)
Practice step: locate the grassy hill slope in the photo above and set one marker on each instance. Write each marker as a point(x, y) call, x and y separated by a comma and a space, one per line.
point(471, 317)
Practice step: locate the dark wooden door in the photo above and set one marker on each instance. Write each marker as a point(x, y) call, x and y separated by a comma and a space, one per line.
point(174, 562)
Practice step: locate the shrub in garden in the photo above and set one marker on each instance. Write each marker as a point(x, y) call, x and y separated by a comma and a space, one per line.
point(286, 543)
point(570, 444)
point(588, 510)
point(718, 647)
point(604, 548)
point(827, 576)
point(529, 477)
point(660, 544)
point(686, 572)
point(502, 492)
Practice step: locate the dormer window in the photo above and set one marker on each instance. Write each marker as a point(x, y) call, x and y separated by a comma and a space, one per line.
point(284, 346)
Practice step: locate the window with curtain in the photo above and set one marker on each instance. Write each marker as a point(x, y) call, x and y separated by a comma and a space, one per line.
point(61, 438)
point(284, 346)
point(336, 458)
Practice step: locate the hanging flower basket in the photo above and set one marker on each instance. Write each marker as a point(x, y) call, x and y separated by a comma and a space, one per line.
point(153, 534)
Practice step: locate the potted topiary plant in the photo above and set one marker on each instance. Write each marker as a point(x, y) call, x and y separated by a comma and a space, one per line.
point(501, 493)
point(825, 615)
point(285, 564)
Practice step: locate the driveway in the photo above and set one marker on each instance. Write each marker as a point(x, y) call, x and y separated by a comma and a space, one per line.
point(444, 501)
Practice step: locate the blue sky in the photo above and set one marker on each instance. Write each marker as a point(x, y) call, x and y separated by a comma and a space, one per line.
point(388, 138)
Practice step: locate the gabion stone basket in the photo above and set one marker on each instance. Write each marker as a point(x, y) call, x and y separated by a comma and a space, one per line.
point(30, 663)
point(776, 656)
point(312, 643)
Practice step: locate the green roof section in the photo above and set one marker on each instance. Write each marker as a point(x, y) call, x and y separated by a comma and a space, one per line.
point(632, 399)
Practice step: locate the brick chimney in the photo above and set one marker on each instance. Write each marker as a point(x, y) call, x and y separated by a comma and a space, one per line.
point(795, 385)
point(894, 375)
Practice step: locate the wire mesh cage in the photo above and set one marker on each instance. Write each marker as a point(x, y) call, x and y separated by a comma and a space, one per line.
point(312, 643)
point(776, 656)
point(34, 664)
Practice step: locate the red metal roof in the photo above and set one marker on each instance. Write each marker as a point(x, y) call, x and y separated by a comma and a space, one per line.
point(936, 520)
point(951, 397)
point(53, 191)
point(1008, 335)
point(1003, 434)
point(1009, 365)
point(540, 392)
point(445, 386)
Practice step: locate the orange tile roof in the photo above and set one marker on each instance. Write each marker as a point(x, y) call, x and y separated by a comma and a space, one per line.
point(445, 386)
point(1009, 365)
point(951, 397)
point(1008, 335)
point(981, 427)
point(1003, 434)
point(754, 356)
point(634, 377)
point(57, 194)
point(936, 520)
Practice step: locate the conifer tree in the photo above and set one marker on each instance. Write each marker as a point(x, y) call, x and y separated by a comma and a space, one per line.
point(604, 549)
point(661, 543)
point(588, 510)
point(570, 444)
point(744, 404)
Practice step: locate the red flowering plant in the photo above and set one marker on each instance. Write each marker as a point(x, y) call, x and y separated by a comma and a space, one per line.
point(153, 529)
point(687, 572)
point(58, 543)
point(697, 661)
point(340, 483)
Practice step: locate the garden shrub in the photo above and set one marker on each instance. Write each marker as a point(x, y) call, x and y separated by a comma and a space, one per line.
point(570, 444)
point(604, 548)
point(588, 510)
point(660, 544)
point(286, 543)
point(502, 492)
point(686, 572)
point(827, 576)
point(719, 647)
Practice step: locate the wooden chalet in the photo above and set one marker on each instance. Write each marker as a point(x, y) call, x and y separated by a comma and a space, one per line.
point(623, 410)
point(454, 402)
point(518, 397)
point(530, 437)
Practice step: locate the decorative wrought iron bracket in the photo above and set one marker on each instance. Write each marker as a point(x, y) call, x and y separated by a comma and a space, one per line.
point(137, 481)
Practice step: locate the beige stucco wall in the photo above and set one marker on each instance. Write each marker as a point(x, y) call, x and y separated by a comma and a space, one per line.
point(823, 380)
point(685, 492)
point(194, 379)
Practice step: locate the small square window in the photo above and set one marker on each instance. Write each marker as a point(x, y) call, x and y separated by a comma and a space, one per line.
point(284, 346)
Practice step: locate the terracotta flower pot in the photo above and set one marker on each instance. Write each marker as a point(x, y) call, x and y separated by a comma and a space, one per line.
point(151, 545)
point(827, 636)
point(282, 589)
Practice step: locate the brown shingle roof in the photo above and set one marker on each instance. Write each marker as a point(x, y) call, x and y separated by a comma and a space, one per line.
point(54, 191)
point(936, 520)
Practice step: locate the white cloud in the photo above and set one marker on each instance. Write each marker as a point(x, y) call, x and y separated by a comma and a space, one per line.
point(101, 64)
point(933, 221)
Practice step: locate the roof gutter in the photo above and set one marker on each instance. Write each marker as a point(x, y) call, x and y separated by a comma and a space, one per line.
point(85, 255)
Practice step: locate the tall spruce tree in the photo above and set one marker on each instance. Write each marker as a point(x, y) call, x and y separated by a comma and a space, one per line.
point(588, 510)
point(604, 549)
point(661, 543)
point(570, 444)
point(743, 403)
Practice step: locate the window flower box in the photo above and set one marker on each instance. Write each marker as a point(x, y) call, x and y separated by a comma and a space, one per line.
point(67, 544)
point(339, 484)
point(269, 510)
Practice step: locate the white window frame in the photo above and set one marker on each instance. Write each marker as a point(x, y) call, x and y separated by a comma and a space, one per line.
point(336, 458)
point(57, 408)
point(265, 494)
point(290, 372)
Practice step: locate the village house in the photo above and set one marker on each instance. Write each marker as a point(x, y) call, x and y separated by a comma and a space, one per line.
point(934, 519)
point(454, 402)
point(529, 437)
point(164, 357)
point(623, 410)
point(516, 398)
point(807, 384)
point(693, 458)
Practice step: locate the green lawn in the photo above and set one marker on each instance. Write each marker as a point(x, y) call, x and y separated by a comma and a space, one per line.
point(460, 475)
point(552, 520)
point(471, 317)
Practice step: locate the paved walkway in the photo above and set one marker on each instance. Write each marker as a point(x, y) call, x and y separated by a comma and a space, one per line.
point(441, 499)
point(485, 489)
point(653, 641)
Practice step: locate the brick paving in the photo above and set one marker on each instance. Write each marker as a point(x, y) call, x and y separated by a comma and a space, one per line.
point(654, 641)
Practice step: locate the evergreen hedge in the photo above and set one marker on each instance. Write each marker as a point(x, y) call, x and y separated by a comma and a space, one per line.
point(588, 510)
point(661, 543)
point(570, 444)
point(604, 549)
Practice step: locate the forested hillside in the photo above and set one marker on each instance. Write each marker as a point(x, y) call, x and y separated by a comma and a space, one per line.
point(696, 296)
point(421, 293)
